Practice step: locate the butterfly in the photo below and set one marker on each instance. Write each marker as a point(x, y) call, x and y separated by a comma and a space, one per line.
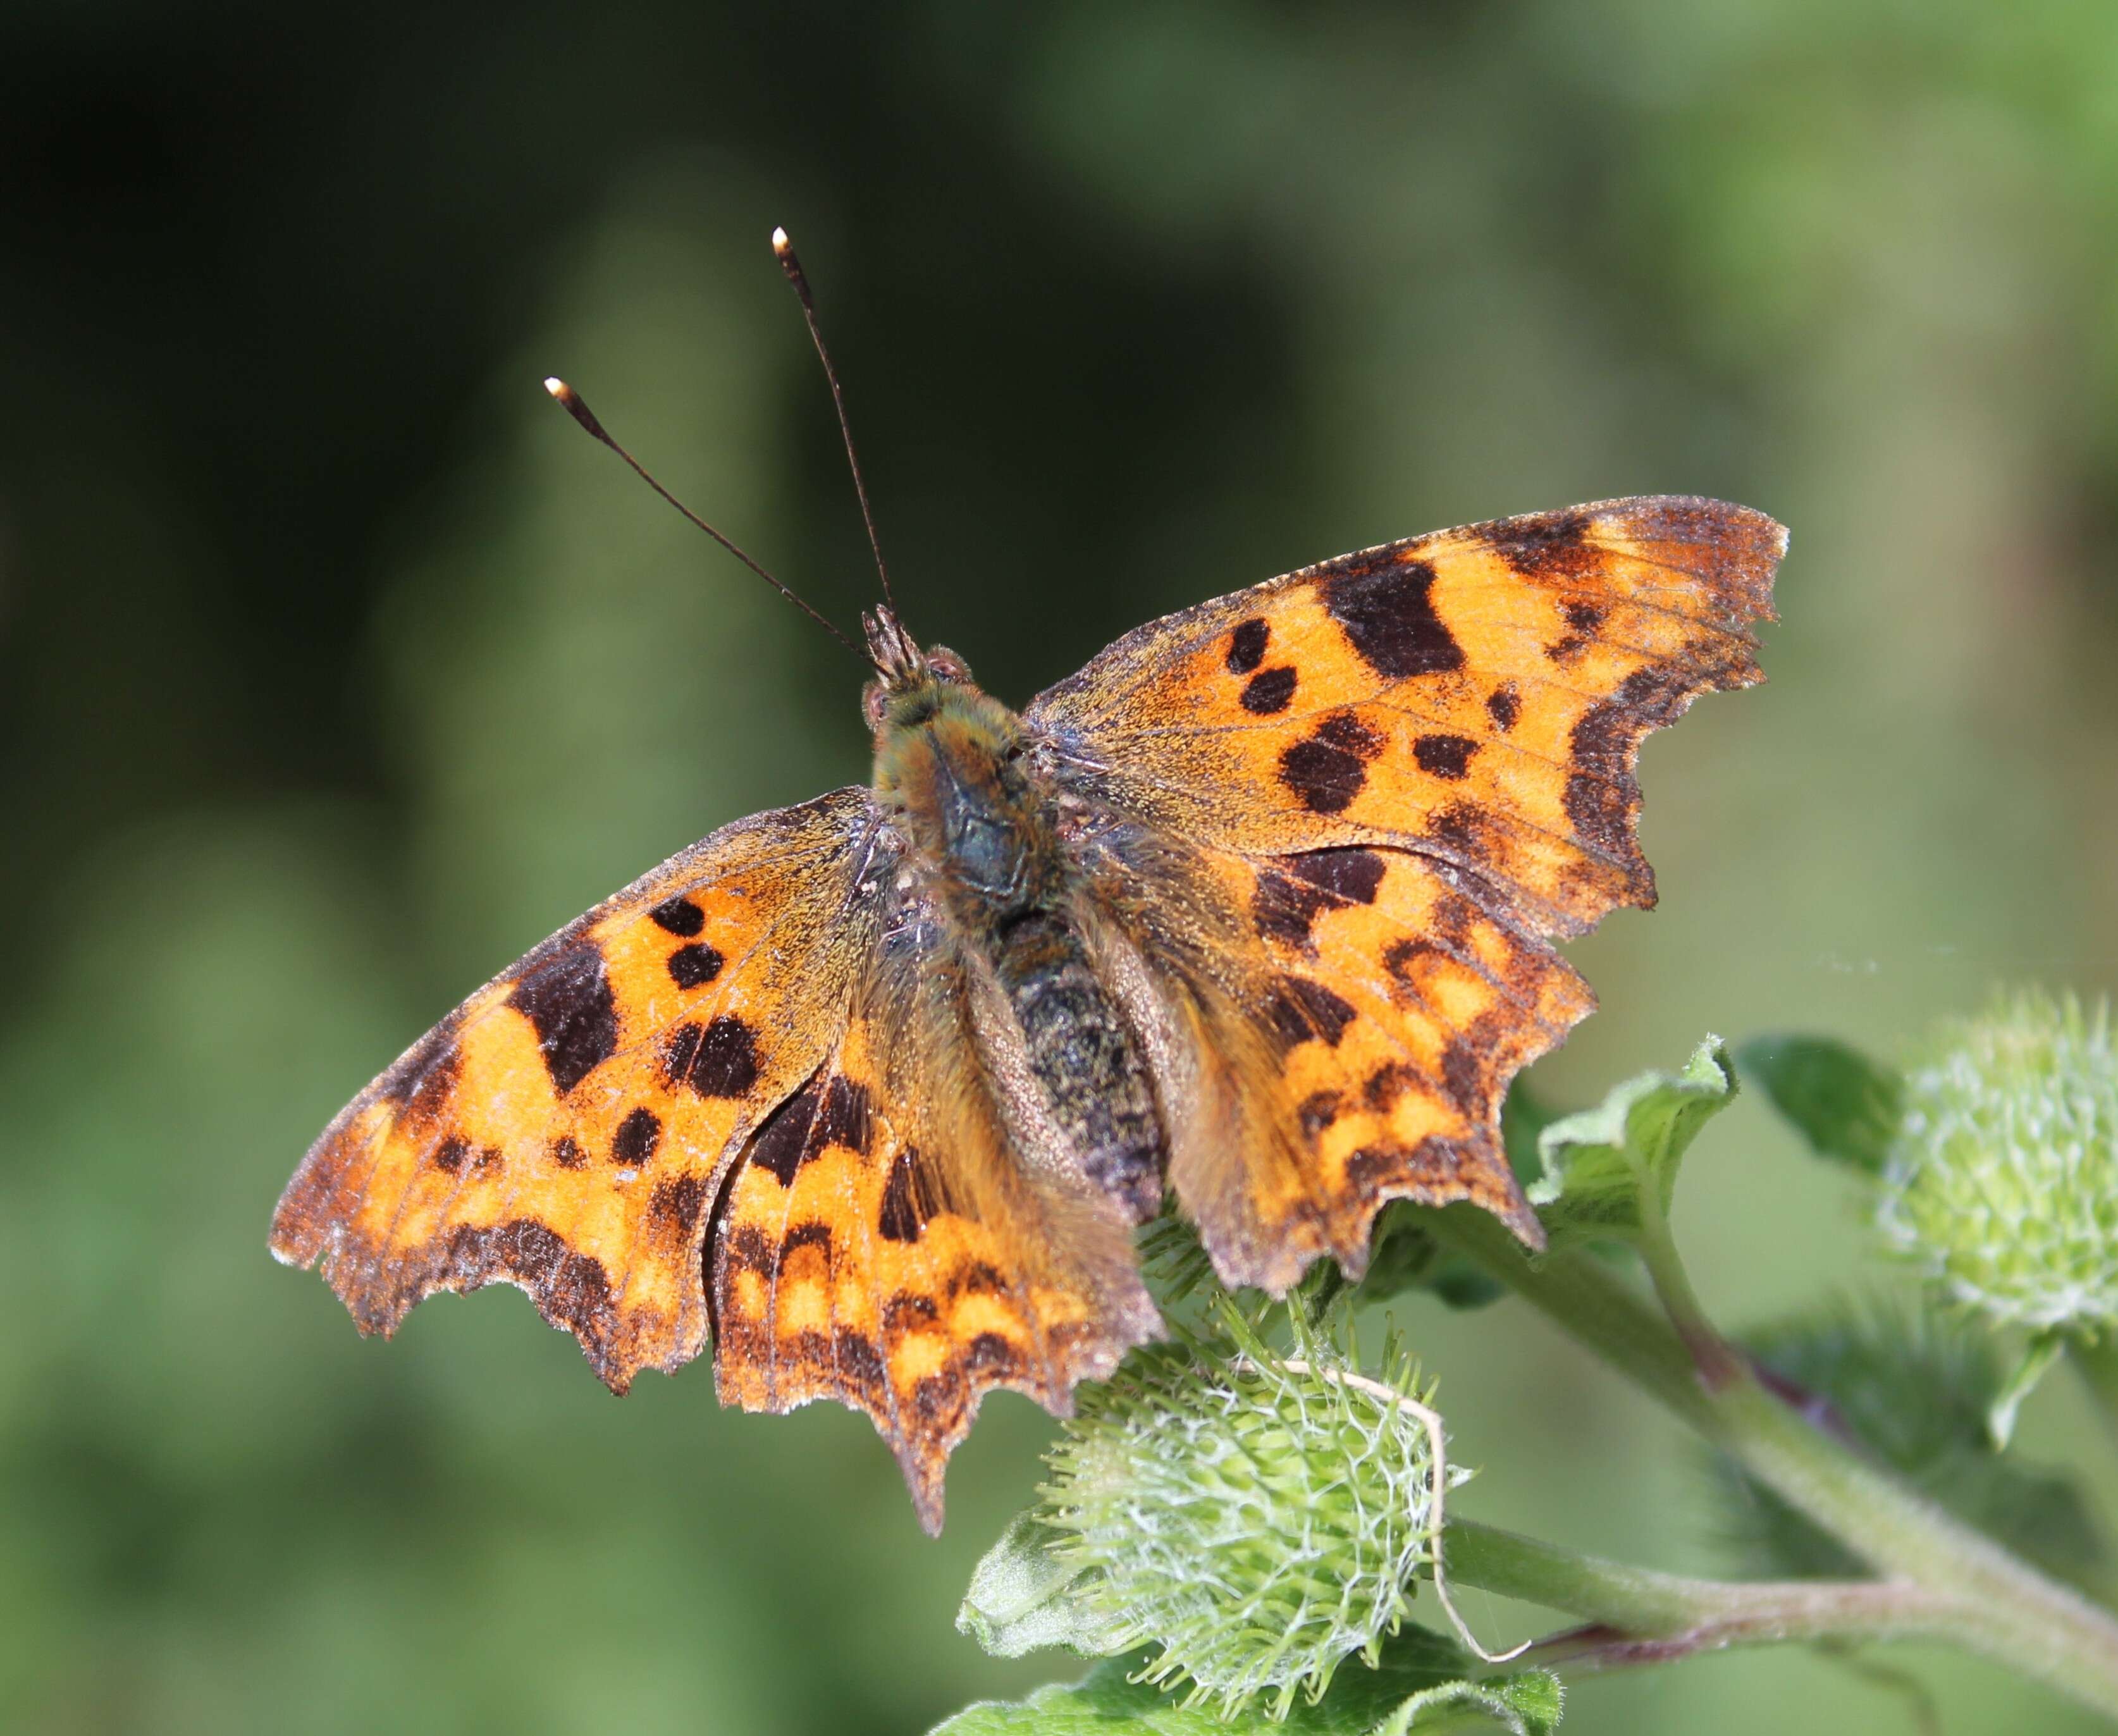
point(1254, 915)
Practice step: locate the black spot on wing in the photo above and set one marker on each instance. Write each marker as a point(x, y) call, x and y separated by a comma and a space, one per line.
point(746, 1248)
point(936, 1396)
point(452, 1154)
point(677, 1202)
point(990, 1354)
point(859, 1364)
point(1461, 826)
point(718, 1059)
point(1388, 1082)
point(1545, 545)
point(678, 916)
point(694, 966)
point(1386, 609)
point(1504, 706)
point(1268, 692)
point(782, 1145)
point(1247, 646)
point(811, 1233)
point(1431, 1170)
point(908, 1200)
point(845, 1116)
point(907, 1311)
point(570, 1004)
point(1444, 755)
point(1582, 618)
point(1300, 1009)
point(1284, 908)
point(1317, 1111)
point(1410, 961)
point(1291, 894)
point(1329, 770)
point(1354, 875)
point(1345, 731)
point(567, 1154)
point(1464, 1076)
point(633, 1145)
point(976, 1278)
point(824, 1112)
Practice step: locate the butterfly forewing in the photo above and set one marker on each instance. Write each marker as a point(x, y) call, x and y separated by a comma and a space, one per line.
point(564, 1129)
point(1477, 695)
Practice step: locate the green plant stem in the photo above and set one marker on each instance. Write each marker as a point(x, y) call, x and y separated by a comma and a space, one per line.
point(1711, 1355)
point(2098, 1365)
point(2026, 1620)
point(1639, 1616)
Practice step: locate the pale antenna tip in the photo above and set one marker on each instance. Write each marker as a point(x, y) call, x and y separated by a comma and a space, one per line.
point(780, 244)
point(570, 401)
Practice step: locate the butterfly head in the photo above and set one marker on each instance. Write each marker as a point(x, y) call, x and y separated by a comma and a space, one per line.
point(911, 684)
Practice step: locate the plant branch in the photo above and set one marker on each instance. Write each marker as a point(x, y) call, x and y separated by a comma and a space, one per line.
point(1636, 1615)
point(1718, 1364)
point(2026, 1620)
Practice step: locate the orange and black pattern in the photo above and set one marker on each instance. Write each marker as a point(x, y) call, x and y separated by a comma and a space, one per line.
point(1304, 850)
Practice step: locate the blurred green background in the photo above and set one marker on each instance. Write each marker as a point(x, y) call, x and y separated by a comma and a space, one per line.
point(336, 668)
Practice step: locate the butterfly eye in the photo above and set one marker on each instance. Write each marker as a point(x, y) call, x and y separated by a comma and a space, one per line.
point(947, 664)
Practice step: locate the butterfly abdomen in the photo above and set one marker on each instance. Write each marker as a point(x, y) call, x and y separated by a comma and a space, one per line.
point(1086, 1057)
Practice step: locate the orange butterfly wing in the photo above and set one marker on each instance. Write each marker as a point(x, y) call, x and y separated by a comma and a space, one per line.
point(883, 1243)
point(1380, 786)
point(564, 1129)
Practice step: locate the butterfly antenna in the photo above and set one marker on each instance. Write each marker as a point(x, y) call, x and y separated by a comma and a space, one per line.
point(783, 250)
point(570, 401)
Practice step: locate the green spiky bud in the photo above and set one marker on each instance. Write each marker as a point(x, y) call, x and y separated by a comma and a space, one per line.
point(2002, 1182)
point(1258, 1517)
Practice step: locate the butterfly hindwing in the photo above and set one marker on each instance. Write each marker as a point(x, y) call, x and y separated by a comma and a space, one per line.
point(1333, 1029)
point(564, 1129)
point(1476, 695)
point(882, 1244)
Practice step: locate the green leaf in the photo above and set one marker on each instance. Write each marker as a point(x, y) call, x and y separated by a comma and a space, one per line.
point(1421, 1685)
point(1844, 1104)
point(1407, 1257)
point(1523, 1117)
point(1524, 1704)
point(1606, 1170)
point(2038, 1356)
point(1023, 1597)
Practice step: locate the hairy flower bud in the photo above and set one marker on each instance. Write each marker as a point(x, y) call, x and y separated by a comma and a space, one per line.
point(1258, 1517)
point(2002, 1182)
